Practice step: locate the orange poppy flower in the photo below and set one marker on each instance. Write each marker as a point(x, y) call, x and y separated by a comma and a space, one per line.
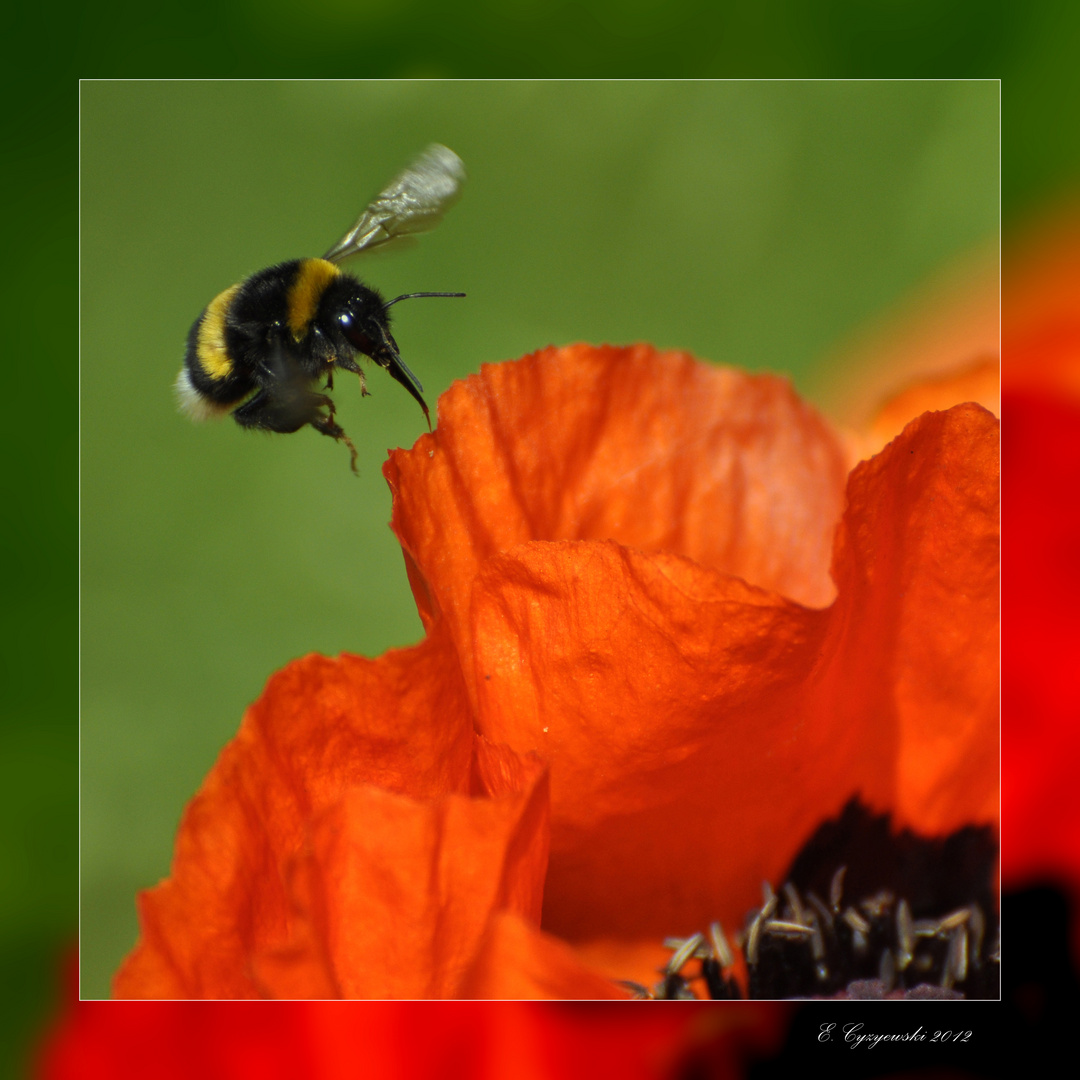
point(667, 635)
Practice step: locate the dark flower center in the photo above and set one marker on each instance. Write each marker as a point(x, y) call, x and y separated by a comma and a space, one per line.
point(864, 912)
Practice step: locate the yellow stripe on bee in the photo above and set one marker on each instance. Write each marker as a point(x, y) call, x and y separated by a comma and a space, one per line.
point(312, 277)
point(210, 349)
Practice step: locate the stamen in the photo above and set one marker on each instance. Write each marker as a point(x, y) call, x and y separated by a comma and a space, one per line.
point(856, 921)
point(752, 939)
point(721, 949)
point(791, 930)
point(977, 928)
point(792, 894)
point(819, 906)
point(953, 920)
point(887, 970)
point(836, 888)
point(683, 953)
point(905, 935)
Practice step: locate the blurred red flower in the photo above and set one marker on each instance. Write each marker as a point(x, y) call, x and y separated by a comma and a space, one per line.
point(667, 635)
point(406, 1040)
point(1041, 589)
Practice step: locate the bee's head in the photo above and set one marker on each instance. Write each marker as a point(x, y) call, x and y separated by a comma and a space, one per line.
point(358, 316)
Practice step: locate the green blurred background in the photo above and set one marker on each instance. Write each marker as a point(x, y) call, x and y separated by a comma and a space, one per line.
point(750, 223)
point(1032, 48)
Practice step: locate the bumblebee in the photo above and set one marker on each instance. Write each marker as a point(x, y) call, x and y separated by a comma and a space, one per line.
point(260, 346)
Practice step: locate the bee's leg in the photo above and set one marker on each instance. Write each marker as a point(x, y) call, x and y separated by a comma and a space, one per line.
point(329, 380)
point(270, 412)
point(349, 364)
point(329, 426)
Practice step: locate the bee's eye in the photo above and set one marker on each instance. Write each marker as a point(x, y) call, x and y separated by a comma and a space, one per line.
point(354, 335)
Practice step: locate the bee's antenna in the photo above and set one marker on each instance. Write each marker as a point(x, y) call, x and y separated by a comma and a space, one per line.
point(414, 295)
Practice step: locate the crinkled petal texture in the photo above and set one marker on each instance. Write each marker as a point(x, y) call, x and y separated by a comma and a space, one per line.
point(654, 450)
point(356, 839)
point(631, 553)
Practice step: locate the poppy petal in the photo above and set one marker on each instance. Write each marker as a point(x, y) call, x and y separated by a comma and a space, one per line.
point(394, 895)
point(518, 961)
point(979, 382)
point(654, 450)
point(669, 698)
point(662, 694)
point(321, 727)
point(917, 567)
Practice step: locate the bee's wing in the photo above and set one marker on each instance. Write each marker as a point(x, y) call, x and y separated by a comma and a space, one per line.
point(414, 202)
